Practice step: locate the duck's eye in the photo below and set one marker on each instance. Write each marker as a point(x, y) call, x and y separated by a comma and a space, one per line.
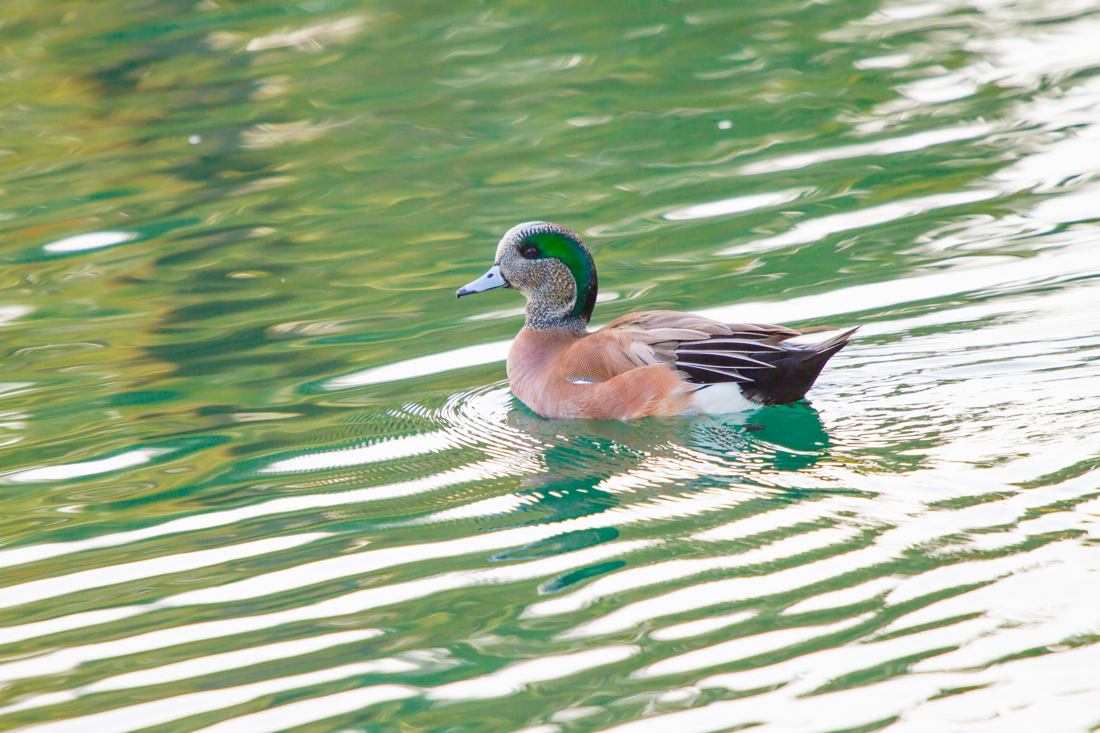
point(529, 251)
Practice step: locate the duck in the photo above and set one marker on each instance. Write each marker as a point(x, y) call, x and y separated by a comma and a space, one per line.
point(643, 364)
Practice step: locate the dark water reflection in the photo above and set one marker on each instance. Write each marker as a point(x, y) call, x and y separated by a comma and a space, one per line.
point(258, 472)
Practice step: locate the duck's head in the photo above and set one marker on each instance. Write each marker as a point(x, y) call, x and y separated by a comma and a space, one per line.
point(551, 267)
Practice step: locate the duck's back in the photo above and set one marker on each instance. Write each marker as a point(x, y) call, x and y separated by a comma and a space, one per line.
point(664, 363)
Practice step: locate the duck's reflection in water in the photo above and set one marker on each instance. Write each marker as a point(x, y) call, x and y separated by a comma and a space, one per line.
point(591, 466)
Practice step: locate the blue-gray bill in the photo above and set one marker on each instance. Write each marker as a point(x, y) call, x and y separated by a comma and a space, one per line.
point(489, 281)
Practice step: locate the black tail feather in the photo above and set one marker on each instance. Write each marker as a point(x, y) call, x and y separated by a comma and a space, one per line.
point(795, 372)
point(771, 374)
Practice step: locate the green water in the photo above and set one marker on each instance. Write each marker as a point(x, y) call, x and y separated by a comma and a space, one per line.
point(261, 472)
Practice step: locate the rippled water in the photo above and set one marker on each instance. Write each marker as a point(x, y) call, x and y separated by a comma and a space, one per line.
point(260, 472)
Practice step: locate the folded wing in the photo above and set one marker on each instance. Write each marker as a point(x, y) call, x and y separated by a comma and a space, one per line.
point(704, 351)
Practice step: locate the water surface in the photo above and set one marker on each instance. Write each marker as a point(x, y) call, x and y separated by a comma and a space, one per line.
point(260, 472)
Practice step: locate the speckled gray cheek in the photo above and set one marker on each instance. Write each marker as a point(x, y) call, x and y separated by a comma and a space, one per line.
point(556, 284)
point(551, 293)
point(548, 284)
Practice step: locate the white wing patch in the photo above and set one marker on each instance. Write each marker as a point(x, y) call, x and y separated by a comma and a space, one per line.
point(720, 399)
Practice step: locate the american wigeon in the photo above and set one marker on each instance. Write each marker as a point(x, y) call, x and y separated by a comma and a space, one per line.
point(647, 363)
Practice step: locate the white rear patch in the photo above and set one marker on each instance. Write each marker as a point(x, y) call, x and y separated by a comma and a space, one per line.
point(718, 399)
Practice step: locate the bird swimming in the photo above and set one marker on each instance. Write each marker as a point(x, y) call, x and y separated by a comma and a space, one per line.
point(641, 364)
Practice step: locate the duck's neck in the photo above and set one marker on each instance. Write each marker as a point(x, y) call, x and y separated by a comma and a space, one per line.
point(541, 316)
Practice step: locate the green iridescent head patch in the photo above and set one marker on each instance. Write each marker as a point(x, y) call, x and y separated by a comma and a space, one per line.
point(561, 244)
